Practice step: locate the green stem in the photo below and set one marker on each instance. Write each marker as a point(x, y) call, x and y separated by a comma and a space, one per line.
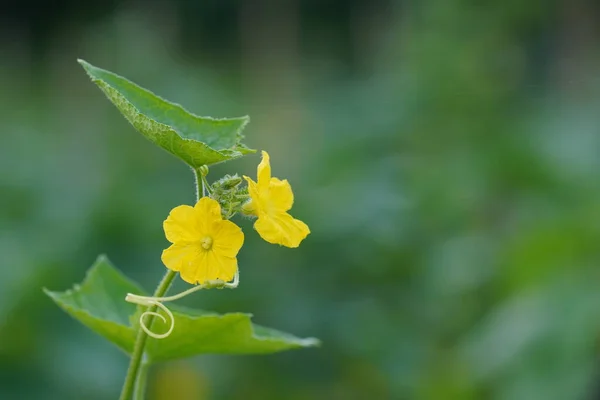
point(140, 383)
point(200, 188)
point(205, 184)
point(140, 341)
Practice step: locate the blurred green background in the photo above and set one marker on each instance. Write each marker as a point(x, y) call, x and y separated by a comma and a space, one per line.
point(445, 154)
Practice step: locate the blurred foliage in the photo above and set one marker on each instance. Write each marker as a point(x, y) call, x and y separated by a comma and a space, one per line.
point(444, 153)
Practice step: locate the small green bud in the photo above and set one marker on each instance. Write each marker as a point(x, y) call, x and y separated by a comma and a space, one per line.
point(229, 182)
point(230, 194)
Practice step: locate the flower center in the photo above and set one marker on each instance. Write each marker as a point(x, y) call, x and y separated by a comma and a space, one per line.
point(206, 242)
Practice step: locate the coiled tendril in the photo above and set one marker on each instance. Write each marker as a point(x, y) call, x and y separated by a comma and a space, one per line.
point(149, 301)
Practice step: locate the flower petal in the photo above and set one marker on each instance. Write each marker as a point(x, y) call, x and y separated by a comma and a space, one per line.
point(182, 225)
point(207, 266)
point(228, 239)
point(281, 228)
point(178, 256)
point(252, 188)
point(280, 195)
point(195, 263)
point(252, 207)
point(263, 171)
point(221, 267)
point(208, 212)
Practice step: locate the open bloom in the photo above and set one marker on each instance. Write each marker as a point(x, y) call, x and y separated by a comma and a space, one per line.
point(270, 199)
point(205, 245)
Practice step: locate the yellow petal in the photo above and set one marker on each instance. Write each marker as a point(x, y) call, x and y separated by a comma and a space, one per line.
point(208, 212)
point(221, 267)
point(253, 206)
point(281, 197)
point(281, 229)
point(277, 196)
point(263, 172)
point(252, 188)
point(228, 239)
point(209, 265)
point(178, 256)
point(182, 225)
point(194, 266)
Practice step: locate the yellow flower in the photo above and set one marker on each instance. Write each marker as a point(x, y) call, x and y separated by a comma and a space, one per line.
point(204, 245)
point(271, 198)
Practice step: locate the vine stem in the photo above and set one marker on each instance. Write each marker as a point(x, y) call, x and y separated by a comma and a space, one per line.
point(140, 341)
point(140, 383)
point(137, 371)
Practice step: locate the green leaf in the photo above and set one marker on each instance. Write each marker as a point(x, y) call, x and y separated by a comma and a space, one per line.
point(99, 303)
point(196, 140)
point(203, 332)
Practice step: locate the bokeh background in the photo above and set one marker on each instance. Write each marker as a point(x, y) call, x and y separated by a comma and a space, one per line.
point(446, 155)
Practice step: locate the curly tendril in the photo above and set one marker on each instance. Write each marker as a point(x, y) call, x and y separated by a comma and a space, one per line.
point(149, 301)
